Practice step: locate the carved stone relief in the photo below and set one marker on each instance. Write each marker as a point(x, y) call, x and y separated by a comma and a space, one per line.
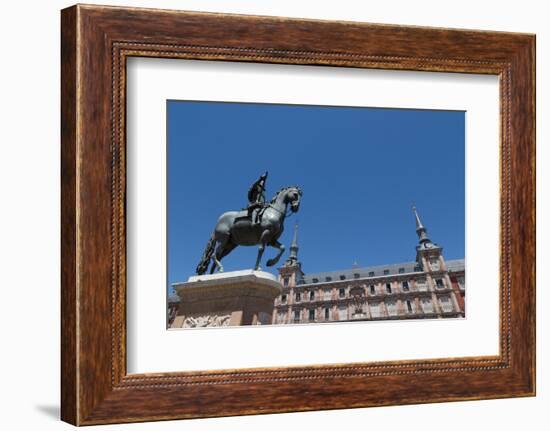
point(206, 320)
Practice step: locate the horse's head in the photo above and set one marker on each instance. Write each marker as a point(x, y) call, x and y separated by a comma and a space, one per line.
point(292, 196)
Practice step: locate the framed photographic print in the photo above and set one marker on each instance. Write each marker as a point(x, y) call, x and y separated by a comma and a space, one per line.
point(281, 206)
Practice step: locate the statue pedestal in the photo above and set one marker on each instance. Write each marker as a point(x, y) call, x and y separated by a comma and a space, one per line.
point(226, 299)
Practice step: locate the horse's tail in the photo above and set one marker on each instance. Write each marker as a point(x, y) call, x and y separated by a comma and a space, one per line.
point(206, 256)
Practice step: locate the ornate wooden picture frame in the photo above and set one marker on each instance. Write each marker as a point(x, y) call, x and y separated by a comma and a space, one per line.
point(96, 41)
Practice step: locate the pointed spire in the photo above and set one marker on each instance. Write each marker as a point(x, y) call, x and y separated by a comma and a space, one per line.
point(418, 222)
point(421, 231)
point(293, 257)
point(295, 237)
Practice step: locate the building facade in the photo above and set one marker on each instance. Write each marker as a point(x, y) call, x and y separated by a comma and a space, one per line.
point(429, 287)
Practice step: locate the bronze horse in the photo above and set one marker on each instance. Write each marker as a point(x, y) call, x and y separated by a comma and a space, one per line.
point(238, 228)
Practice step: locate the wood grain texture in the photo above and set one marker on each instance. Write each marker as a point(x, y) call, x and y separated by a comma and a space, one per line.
point(69, 367)
point(96, 41)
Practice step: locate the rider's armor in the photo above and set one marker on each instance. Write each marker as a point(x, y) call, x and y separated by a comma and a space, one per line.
point(256, 197)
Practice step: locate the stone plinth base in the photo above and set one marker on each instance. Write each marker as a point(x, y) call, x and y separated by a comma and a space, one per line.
point(226, 299)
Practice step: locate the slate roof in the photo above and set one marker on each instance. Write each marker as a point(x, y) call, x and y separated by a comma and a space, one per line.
point(374, 271)
point(173, 298)
point(455, 265)
point(369, 271)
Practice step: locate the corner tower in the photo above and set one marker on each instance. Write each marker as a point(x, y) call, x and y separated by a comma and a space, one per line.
point(428, 254)
point(290, 274)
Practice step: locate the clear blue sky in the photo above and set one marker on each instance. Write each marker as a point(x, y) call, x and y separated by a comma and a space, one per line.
point(360, 170)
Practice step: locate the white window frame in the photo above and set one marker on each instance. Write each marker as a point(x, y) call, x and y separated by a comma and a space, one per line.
point(342, 310)
point(429, 301)
point(452, 308)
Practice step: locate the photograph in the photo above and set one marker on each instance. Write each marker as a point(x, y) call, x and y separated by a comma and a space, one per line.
point(282, 214)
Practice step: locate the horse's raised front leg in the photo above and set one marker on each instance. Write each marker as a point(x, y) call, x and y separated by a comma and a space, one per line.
point(281, 248)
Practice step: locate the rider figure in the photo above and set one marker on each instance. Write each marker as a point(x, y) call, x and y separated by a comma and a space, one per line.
point(256, 197)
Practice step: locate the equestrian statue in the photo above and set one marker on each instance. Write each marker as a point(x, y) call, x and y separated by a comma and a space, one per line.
point(259, 224)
